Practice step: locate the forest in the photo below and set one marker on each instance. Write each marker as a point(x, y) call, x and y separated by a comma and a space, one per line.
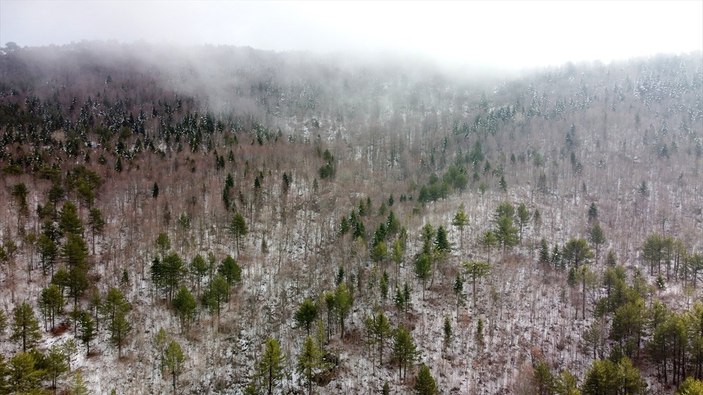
point(227, 220)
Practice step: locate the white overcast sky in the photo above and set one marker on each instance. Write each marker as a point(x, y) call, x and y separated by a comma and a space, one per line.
point(506, 34)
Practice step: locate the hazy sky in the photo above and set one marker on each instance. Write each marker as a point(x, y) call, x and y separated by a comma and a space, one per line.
point(509, 34)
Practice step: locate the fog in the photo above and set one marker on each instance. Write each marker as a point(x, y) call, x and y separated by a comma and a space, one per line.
point(504, 34)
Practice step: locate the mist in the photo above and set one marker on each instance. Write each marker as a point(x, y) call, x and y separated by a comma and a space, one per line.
point(479, 35)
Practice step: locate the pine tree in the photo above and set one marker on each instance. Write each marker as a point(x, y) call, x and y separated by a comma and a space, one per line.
point(458, 291)
point(343, 304)
point(199, 269)
point(24, 375)
point(378, 329)
point(119, 331)
point(75, 253)
point(460, 221)
point(69, 221)
point(25, 326)
point(48, 252)
point(238, 229)
point(383, 285)
point(51, 303)
point(690, 386)
point(3, 322)
point(163, 244)
point(167, 273)
point(216, 294)
point(87, 330)
point(505, 232)
point(404, 350)
point(425, 383)
point(96, 222)
point(543, 252)
point(592, 212)
point(577, 252)
point(306, 314)
point(79, 387)
point(488, 241)
point(543, 378)
point(174, 358)
point(56, 364)
point(19, 192)
point(271, 364)
point(447, 328)
point(184, 304)
point(230, 270)
point(476, 270)
point(115, 303)
point(523, 218)
point(597, 237)
point(423, 270)
point(309, 360)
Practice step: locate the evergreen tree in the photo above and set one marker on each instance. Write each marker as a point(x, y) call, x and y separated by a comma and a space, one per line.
point(447, 329)
point(543, 252)
point(690, 386)
point(343, 301)
point(441, 243)
point(115, 309)
point(488, 241)
point(271, 365)
point(461, 220)
point(423, 270)
point(48, 252)
point(51, 303)
point(543, 379)
point(115, 303)
point(476, 270)
point(119, 331)
point(397, 256)
point(306, 314)
point(458, 291)
point(505, 232)
point(56, 364)
point(3, 322)
point(238, 229)
point(605, 377)
point(378, 329)
point(184, 304)
point(577, 252)
point(163, 244)
point(75, 253)
point(87, 331)
point(25, 326)
point(383, 285)
point(79, 387)
point(404, 351)
point(597, 237)
point(216, 294)
point(309, 360)
point(523, 218)
point(96, 222)
point(24, 375)
point(230, 270)
point(167, 273)
point(19, 192)
point(174, 358)
point(69, 221)
point(425, 383)
point(199, 268)
point(592, 212)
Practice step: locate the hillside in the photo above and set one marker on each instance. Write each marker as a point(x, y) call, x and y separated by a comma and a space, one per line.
point(216, 200)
